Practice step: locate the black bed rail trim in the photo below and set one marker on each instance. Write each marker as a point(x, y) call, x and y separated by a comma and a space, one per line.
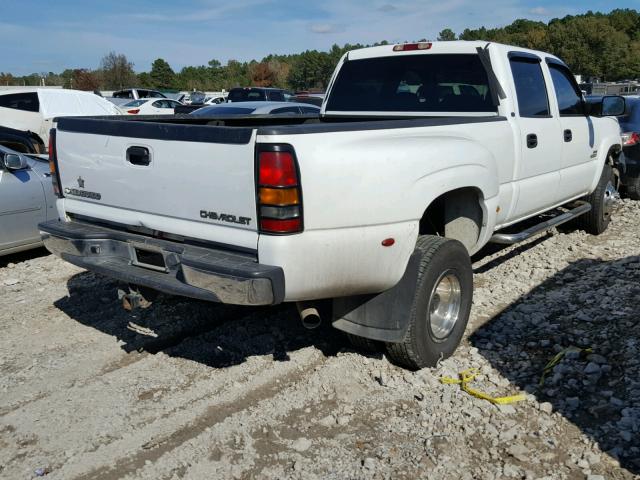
point(373, 124)
point(156, 131)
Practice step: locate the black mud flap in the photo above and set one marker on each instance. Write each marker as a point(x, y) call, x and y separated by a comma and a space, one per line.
point(383, 316)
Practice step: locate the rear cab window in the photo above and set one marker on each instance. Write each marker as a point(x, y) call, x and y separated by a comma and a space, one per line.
point(27, 102)
point(413, 83)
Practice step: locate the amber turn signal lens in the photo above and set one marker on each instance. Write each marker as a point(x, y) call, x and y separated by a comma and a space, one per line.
point(279, 196)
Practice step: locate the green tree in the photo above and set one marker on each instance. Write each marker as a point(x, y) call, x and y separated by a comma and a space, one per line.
point(446, 35)
point(84, 79)
point(162, 76)
point(117, 71)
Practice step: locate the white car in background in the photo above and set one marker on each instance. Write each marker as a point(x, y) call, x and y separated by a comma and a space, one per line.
point(33, 109)
point(150, 106)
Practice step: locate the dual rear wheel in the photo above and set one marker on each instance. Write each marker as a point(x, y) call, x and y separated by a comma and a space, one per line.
point(440, 308)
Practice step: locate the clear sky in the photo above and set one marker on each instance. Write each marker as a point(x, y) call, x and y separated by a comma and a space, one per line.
point(51, 35)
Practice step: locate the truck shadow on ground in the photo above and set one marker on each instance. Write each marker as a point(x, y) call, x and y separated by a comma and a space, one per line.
point(591, 304)
point(23, 256)
point(212, 334)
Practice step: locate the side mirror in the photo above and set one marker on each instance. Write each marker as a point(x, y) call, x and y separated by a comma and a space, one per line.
point(13, 161)
point(613, 106)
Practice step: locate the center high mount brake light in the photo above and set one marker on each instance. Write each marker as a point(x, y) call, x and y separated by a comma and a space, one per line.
point(405, 47)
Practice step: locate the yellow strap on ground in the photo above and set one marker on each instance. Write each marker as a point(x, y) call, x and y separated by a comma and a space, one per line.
point(557, 358)
point(467, 376)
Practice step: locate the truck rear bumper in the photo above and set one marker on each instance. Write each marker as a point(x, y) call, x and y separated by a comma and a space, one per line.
point(172, 267)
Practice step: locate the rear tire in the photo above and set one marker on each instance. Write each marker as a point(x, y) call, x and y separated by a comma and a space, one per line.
point(602, 199)
point(441, 306)
point(365, 344)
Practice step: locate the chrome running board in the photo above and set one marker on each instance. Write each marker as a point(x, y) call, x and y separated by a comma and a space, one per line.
point(581, 208)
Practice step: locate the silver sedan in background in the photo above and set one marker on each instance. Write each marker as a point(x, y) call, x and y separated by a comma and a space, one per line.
point(26, 199)
point(257, 108)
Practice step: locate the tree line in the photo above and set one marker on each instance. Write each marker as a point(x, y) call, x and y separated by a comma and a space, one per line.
point(606, 46)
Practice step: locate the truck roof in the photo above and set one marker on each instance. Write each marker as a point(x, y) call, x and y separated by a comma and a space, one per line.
point(453, 46)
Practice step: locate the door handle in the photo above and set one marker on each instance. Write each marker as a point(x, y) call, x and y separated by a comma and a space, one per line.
point(568, 135)
point(532, 140)
point(138, 156)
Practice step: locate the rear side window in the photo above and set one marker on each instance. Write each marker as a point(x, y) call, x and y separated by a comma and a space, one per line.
point(569, 99)
point(275, 96)
point(412, 83)
point(123, 94)
point(530, 87)
point(27, 102)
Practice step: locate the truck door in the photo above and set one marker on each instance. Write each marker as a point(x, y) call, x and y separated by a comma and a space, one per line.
point(22, 207)
point(537, 174)
point(578, 142)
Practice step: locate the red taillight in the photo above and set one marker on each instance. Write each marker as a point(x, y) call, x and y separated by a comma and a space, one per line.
point(405, 47)
point(279, 195)
point(272, 225)
point(53, 164)
point(133, 111)
point(277, 169)
point(630, 138)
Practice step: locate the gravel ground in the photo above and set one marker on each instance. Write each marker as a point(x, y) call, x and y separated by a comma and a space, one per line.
point(193, 390)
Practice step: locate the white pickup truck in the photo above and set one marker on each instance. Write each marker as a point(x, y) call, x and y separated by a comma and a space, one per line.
point(423, 153)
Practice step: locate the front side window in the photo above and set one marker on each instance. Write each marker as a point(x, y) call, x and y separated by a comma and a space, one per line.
point(412, 83)
point(569, 99)
point(27, 102)
point(531, 89)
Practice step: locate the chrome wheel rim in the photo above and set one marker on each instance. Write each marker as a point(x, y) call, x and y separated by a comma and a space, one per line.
point(444, 305)
point(611, 197)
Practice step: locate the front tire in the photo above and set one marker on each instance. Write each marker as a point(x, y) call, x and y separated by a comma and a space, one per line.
point(441, 306)
point(602, 201)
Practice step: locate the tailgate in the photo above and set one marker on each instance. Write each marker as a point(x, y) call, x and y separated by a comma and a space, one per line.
point(191, 180)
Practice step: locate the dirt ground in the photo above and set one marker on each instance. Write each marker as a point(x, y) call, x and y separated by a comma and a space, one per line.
point(193, 390)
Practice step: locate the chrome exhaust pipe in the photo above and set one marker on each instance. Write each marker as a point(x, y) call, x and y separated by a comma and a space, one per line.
point(309, 316)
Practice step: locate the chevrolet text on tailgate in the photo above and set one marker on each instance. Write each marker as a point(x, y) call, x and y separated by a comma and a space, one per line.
point(366, 216)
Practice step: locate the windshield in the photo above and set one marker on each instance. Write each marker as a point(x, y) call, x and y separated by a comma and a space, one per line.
point(412, 83)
